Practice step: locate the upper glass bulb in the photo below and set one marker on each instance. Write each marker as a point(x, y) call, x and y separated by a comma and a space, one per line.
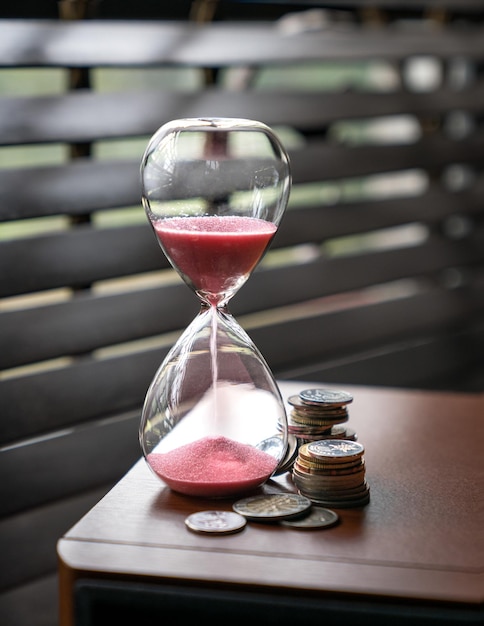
point(231, 173)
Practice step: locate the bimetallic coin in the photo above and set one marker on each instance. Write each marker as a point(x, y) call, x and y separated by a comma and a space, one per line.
point(318, 517)
point(325, 396)
point(215, 522)
point(272, 506)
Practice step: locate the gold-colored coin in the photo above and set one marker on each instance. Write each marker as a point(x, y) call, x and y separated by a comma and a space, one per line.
point(302, 466)
point(317, 464)
point(328, 482)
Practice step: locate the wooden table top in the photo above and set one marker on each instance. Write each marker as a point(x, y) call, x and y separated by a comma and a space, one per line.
point(419, 539)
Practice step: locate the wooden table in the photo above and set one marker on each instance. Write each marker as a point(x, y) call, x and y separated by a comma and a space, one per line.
point(415, 552)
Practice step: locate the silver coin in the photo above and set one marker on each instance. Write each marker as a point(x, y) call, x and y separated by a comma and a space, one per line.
point(315, 409)
point(272, 445)
point(272, 506)
point(341, 432)
point(291, 454)
point(318, 517)
point(335, 448)
point(215, 522)
point(325, 396)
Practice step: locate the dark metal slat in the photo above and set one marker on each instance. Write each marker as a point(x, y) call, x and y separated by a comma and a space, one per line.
point(89, 116)
point(98, 43)
point(86, 186)
point(77, 257)
point(82, 459)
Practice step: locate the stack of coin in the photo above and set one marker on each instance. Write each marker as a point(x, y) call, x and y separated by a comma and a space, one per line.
point(331, 473)
point(320, 414)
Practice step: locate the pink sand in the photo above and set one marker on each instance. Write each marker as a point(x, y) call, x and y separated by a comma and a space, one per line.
point(215, 252)
point(213, 467)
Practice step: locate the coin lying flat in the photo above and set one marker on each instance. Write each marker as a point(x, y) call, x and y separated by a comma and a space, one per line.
point(273, 506)
point(334, 449)
point(341, 432)
point(215, 522)
point(318, 517)
point(325, 396)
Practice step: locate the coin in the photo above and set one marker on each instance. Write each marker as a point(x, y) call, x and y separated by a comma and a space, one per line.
point(320, 421)
point(272, 445)
point(272, 506)
point(325, 396)
point(291, 454)
point(215, 522)
point(315, 409)
point(318, 517)
point(341, 432)
point(335, 449)
point(308, 468)
point(349, 503)
point(326, 483)
point(336, 494)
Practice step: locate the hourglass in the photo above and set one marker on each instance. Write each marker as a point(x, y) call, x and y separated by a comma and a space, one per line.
point(214, 189)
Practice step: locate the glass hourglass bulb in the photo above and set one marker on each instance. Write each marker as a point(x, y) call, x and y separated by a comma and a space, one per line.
point(214, 190)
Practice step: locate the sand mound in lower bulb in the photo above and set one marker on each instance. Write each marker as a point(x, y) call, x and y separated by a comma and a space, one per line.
point(213, 466)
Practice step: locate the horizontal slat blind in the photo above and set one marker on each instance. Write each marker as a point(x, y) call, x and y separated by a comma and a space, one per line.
point(375, 275)
point(88, 323)
point(92, 388)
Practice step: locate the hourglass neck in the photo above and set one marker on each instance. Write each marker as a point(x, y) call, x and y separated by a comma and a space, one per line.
point(221, 307)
